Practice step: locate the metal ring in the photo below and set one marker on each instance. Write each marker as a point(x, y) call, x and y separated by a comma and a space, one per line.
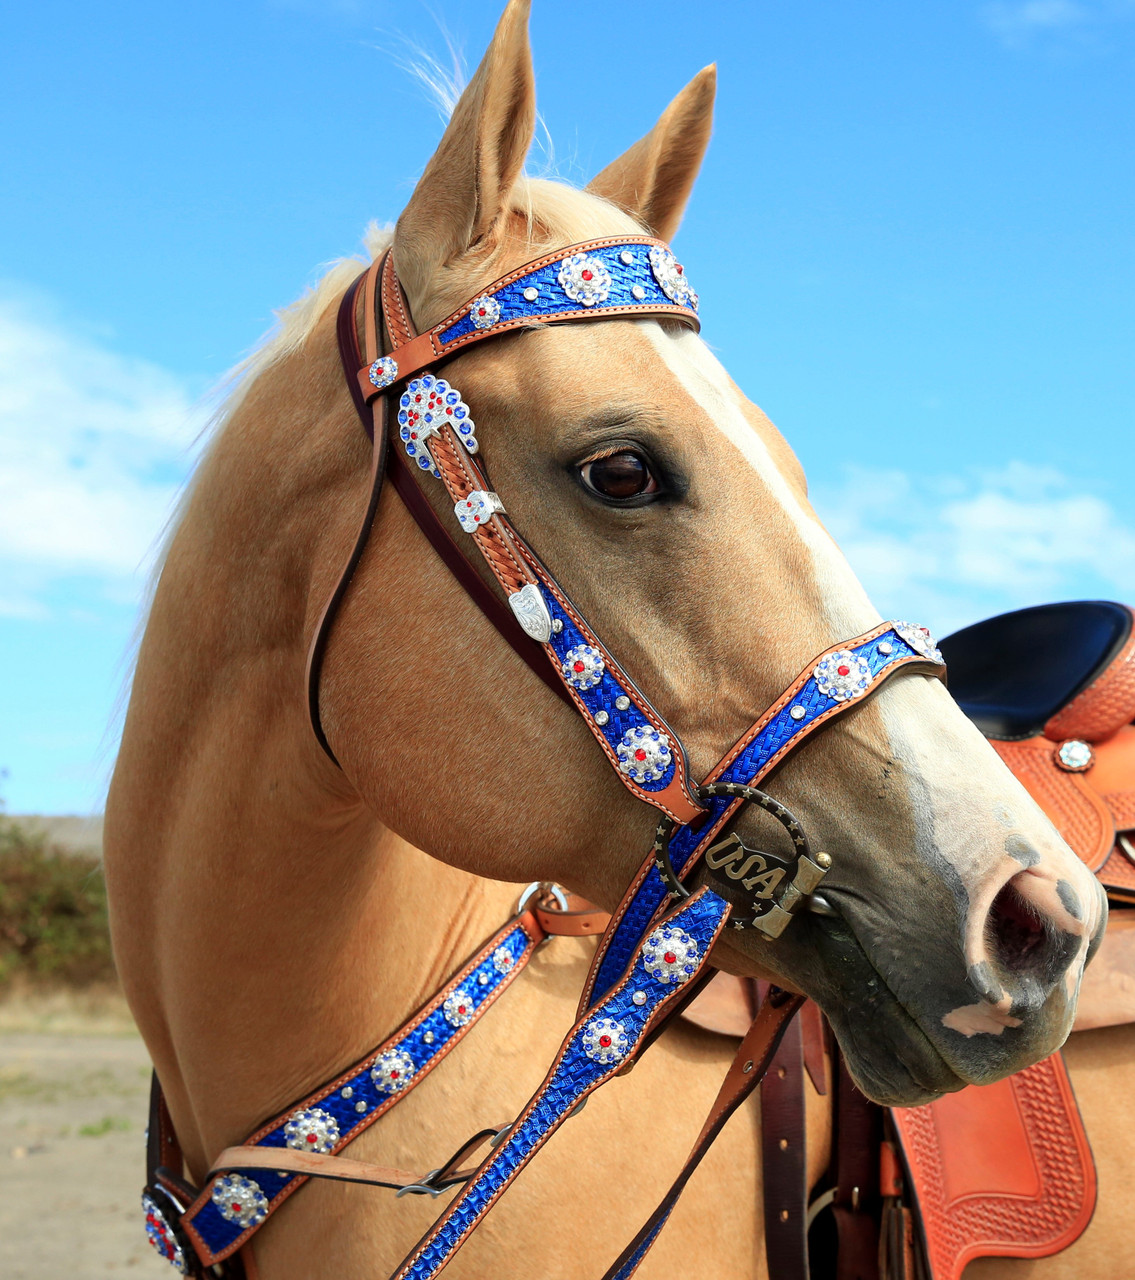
point(545, 887)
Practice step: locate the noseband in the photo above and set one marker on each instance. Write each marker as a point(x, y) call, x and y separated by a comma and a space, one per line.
point(654, 954)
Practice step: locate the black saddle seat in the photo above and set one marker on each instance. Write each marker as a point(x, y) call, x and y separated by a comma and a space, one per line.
point(1012, 673)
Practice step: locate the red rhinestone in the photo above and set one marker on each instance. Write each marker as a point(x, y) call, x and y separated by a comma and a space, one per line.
point(844, 670)
point(585, 274)
point(605, 1041)
point(640, 754)
point(481, 312)
point(578, 666)
point(679, 267)
point(312, 1139)
point(236, 1206)
point(460, 1008)
point(468, 504)
point(394, 1075)
point(670, 957)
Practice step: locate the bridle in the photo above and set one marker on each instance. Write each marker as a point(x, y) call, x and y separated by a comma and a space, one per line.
point(653, 956)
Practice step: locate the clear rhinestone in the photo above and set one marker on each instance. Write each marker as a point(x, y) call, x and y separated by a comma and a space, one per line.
point(886, 648)
point(638, 291)
point(348, 1092)
point(601, 718)
point(483, 979)
point(626, 257)
point(797, 712)
point(639, 998)
point(582, 667)
point(531, 294)
point(458, 1008)
point(585, 279)
point(360, 1107)
point(1074, 755)
point(557, 626)
point(428, 1037)
point(623, 702)
point(503, 960)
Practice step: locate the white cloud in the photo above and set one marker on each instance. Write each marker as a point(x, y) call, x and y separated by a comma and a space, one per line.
point(951, 549)
point(1021, 23)
point(93, 449)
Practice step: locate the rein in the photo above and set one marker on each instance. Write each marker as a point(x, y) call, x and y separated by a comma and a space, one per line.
point(654, 952)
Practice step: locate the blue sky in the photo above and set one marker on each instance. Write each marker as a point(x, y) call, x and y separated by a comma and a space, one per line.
point(912, 238)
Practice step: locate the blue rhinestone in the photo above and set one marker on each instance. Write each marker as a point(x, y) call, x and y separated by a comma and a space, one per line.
point(403, 416)
point(424, 464)
point(451, 397)
point(460, 411)
point(405, 401)
point(415, 385)
point(465, 428)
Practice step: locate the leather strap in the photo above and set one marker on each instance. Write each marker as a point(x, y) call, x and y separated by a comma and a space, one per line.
point(859, 1134)
point(748, 1068)
point(783, 1154)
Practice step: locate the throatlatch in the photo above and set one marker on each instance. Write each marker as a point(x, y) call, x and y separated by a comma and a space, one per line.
point(655, 950)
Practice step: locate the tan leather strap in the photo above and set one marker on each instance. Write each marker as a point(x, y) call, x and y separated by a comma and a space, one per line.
point(784, 1183)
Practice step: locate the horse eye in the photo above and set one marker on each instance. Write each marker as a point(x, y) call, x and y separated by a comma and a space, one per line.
point(619, 476)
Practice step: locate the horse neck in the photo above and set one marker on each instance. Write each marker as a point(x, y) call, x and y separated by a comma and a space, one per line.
point(268, 928)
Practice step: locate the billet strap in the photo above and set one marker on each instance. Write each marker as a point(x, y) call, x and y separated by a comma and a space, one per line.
point(435, 427)
point(750, 1063)
point(597, 1048)
point(809, 703)
point(784, 1184)
point(331, 1117)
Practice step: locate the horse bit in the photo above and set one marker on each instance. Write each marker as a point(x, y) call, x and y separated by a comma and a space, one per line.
point(653, 954)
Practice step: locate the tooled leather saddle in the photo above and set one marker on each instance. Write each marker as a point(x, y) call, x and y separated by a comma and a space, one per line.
point(1000, 1170)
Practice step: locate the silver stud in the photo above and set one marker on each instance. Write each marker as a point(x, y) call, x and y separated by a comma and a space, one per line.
point(886, 648)
point(557, 625)
point(601, 718)
point(638, 291)
point(798, 712)
point(483, 979)
point(360, 1107)
point(1075, 755)
point(530, 294)
point(348, 1092)
point(623, 702)
point(639, 997)
point(626, 257)
point(428, 1037)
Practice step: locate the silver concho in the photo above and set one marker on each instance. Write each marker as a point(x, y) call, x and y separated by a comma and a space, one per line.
point(458, 1008)
point(842, 675)
point(392, 1070)
point(605, 1040)
point(427, 405)
point(919, 639)
point(582, 667)
point(531, 611)
point(484, 311)
point(671, 277)
point(383, 372)
point(312, 1129)
point(644, 754)
point(1075, 756)
point(585, 279)
point(670, 955)
point(503, 960)
point(477, 509)
point(238, 1199)
point(160, 1235)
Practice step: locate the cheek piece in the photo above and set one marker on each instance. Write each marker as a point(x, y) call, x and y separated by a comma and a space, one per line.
point(654, 952)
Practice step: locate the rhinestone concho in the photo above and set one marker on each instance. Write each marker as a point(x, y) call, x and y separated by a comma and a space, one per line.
point(919, 639)
point(671, 277)
point(427, 405)
point(1075, 755)
point(477, 509)
point(842, 675)
point(485, 311)
point(670, 955)
point(383, 372)
point(160, 1235)
point(585, 279)
point(392, 1070)
point(605, 1040)
point(644, 754)
point(312, 1129)
point(582, 667)
point(458, 1008)
point(240, 1200)
point(503, 960)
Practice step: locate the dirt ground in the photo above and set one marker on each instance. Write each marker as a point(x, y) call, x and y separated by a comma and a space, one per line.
point(74, 1085)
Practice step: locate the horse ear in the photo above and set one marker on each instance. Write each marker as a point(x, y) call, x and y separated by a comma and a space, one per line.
point(460, 198)
point(652, 181)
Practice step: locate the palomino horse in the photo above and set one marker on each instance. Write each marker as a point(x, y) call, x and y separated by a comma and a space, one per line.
point(276, 914)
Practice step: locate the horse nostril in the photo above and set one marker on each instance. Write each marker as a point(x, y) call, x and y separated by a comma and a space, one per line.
point(1016, 933)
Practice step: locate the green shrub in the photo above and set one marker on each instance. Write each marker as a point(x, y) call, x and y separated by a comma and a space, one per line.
point(53, 917)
